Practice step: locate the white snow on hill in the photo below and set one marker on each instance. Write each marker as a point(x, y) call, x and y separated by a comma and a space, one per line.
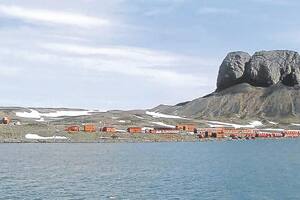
point(163, 124)
point(121, 131)
point(217, 125)
point(160, 115)
point(40, 120)
point(139, 117)
point(37, 137)
point(147, 128)
point(293, 124)
point(256, 123)
point(34, 114)
point(252, 124)
point(274, 123)
point(272, 129)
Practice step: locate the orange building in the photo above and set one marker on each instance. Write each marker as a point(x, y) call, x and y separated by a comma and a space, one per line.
point(134, 130)
point(109, 129)
point(269, 134)
point(261, 134)
point(5, 120)
point(89, 128)
point(240, 132)
point(186, 127)
point(291, 133)
point(210, 132)
point(218, 134)
point(72, 129)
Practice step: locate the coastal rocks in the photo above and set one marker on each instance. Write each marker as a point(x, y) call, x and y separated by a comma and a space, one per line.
point(232, 69)
point(263, 69)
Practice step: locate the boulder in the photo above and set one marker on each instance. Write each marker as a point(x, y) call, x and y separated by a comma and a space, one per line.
point(232, 69)
point(291, 79)
point(267, 68)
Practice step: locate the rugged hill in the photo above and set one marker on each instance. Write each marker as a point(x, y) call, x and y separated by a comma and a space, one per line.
point(265, 85)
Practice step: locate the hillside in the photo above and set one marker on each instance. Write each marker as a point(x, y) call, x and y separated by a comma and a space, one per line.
point(262, 86)
point(243, 101)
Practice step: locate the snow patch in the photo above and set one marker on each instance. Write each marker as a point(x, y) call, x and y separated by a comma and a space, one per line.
point(147, 128)
point(256, 123)
point(34, 114)
point(160, 115)
point(40, 120)
point(216, 125)
point(274, 123)
point(37, 137)
point(272, 129)
point(252, 124)
point(295, 124)
point(139, 117)
point(122, 121)
point(163, 124)
point(121, 131)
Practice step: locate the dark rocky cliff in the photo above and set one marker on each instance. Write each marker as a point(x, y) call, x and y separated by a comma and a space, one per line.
point(265, 85)
point(263, 69)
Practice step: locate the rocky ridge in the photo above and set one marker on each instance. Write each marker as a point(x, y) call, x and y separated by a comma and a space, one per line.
point(264, 86)
point(263, 69)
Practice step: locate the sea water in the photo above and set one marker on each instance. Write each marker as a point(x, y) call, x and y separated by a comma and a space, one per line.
point(258, 169)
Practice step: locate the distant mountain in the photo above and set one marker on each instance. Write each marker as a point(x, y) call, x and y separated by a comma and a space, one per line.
point(265, 85)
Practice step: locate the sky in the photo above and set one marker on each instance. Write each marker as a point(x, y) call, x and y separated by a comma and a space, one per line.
point(130, 54)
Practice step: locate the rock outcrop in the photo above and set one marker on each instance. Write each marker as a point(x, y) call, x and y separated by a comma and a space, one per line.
point(264, 86)
point(263, 69)
point(243, 101)
point(267, 68)
point(232, 69)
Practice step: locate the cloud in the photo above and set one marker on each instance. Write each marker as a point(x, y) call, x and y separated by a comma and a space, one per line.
point(158, 11)
point(121, 52)
point(60, 53)
point(216, 11)
point(165, 8)
point(9, 71)
point(156, 66)
point(275, 2)
point(55, 17)
point(286, 38)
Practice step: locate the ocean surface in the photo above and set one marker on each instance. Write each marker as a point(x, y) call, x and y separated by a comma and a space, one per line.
point(259, 169)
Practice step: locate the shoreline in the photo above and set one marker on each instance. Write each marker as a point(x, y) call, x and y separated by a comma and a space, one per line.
point(57, 134)
point(118, 141)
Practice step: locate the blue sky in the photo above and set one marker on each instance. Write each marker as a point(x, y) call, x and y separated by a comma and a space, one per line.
point(129, 54)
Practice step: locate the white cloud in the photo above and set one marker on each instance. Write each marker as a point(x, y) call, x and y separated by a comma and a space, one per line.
point(158, 66)
point(275, 2)
point(154, 66)
point(61, 50)
point(55, 17)
point(9, 71)
point(158, 11)
point(128, 53)
point(290, 37)
point(216, 11)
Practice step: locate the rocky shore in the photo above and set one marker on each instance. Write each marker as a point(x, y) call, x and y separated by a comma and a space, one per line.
point(49, 133)
point(56, 134)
